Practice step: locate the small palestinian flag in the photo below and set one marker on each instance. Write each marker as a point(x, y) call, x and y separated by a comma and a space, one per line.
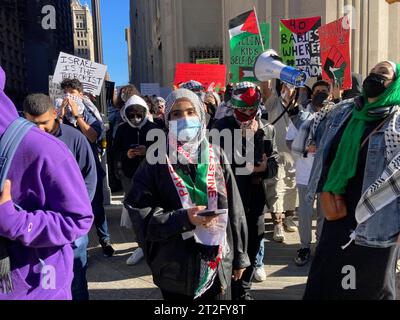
point(247, 74)
point(243, 26)
point(249, 99)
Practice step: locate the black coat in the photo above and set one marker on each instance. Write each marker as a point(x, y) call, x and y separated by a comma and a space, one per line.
point(159, 221)
point(264, 143)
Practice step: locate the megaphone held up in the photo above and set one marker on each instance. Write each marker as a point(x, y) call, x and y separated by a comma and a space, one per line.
point(269, 67)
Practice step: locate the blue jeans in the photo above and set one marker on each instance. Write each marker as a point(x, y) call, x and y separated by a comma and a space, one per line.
point(260, 255)
point(79, 283)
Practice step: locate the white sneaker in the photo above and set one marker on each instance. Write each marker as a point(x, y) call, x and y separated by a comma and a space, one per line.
point(289, 224)
point(260, 275)
point(279, 235)
point(136, 256)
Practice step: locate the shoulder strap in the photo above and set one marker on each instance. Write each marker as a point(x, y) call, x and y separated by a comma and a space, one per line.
point(9, 143)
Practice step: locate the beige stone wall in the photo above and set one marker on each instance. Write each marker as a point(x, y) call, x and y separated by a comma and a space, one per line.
point(376, 34)
point(191, 23)
point(184, 25)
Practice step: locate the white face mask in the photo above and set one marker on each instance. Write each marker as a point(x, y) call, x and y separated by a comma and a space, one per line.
point(185, 129)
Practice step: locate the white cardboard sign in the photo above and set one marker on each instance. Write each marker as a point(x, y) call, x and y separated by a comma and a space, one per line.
point(90, 73)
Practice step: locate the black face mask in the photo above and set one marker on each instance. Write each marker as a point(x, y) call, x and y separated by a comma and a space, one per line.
point(136, 119)
point(374, 85)
point(319, 99)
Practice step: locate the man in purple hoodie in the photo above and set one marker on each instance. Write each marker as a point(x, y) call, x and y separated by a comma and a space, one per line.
point(46, 182)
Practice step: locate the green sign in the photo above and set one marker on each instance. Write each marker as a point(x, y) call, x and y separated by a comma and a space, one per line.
point(245, 53)
point(208, 61)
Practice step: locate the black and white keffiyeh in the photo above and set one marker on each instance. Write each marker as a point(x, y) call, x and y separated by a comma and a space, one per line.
point(318, 117)
point(387, 188)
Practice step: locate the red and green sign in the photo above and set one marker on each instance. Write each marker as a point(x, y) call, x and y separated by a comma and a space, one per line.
point(335, 53)
point(300, 44)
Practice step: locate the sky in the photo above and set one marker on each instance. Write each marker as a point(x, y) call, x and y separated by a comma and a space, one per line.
point(114, 20)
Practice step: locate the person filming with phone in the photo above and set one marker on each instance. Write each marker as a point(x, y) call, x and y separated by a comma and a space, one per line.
point(130, 147)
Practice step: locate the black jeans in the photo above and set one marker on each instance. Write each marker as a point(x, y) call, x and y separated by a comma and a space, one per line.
point(254, 202)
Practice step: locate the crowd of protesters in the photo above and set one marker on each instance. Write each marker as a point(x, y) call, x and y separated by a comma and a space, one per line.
point(198, 213)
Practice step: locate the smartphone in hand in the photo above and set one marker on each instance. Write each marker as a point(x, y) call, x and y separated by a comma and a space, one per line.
point(211, 213)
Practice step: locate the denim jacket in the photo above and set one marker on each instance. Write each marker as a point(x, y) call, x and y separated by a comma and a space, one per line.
point(383, 228)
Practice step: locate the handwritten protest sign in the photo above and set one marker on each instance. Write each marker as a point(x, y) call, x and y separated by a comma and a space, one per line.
point(90, 73)
point(55, 91)
point(244, 55)
point(206, 74)
point(149, 89)
point(300, 44)
point(335, 53)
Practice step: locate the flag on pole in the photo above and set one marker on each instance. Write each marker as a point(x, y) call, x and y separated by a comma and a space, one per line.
point(243, 26)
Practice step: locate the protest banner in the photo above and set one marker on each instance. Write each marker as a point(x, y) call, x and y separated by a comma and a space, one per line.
point(90, 73)
point(55, 91)
point(245, 53)
point(300, 46)
point(206, 74)
point(150, 89)
point(208, 61)
point(335, 54)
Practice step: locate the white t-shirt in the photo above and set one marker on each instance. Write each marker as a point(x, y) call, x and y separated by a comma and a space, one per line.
point(303, 165)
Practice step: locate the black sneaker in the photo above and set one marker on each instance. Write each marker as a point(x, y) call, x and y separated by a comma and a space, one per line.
point(108, 250)
point(303, 257)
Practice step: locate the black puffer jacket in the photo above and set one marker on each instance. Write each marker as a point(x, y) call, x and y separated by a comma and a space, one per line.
point(159, 221)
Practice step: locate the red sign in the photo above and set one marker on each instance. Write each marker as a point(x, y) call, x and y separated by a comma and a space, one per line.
point(335, 53)
point(206, 74)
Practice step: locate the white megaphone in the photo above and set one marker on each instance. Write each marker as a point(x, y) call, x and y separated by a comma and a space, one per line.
point(268, 66)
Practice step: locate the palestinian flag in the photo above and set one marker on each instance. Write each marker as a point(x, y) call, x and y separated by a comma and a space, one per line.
point(247, 74)
point(243, 26)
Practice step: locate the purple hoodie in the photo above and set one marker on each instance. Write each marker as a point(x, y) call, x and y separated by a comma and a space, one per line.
point(47, 183)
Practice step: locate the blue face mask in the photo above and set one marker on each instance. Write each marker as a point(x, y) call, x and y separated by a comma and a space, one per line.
point(185, 129)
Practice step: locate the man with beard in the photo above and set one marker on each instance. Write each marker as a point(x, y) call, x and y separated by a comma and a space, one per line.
point(39, 109)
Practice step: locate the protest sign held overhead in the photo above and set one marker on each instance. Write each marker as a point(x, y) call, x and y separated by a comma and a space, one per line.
point(242, 27)
point(335, 54)
point(90, 73)
point(206, 74)
point(300, 45)
point(243, 56)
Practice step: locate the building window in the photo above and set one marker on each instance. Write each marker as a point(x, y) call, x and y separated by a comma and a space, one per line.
point(205, 53)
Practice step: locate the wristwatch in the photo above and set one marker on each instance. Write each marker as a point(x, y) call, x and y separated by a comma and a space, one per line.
point(78, 116)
